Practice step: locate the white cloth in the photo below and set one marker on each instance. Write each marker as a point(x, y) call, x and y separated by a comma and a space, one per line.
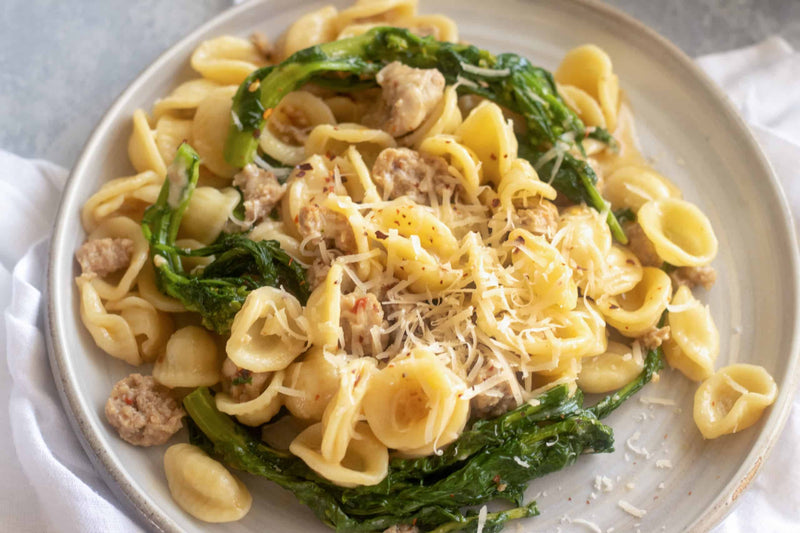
point(50, 465)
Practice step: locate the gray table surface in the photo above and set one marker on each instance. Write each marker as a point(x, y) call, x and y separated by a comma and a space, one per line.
point(58, 75)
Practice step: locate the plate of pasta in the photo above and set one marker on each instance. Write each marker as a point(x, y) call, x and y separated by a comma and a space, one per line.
point(443, 267)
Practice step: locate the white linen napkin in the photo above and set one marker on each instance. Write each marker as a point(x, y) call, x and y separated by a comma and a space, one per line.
point(51, 486)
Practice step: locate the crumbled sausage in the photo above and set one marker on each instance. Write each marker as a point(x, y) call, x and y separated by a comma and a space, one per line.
point(654, 337)
point(409, 94)
point(316, 223)
point(405, 172)
point(641, 246)
point(241, 384)
point(317, 272)
point(360, 313)
point(261, 191)
point(143, 412)
point(693, 276)
point(493, 402)
point(541, 219)
point(402, 528)
point(100, 257)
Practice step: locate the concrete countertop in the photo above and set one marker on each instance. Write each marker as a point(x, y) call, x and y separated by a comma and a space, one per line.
point(58, 75)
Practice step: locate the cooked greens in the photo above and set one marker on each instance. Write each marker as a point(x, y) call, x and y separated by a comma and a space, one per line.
point(240, 265)
point(507, 79)
point(491, 460)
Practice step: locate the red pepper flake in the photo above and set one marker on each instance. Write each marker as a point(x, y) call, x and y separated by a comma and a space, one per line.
point(612, 306)
point(414, 522)
point(301, 173)
point(316, 397)
point(630, 261)
point(129, 401)
point(291, 259)
point(360, 304)
point(569, 499)
point(494, 157)
point(305, 166)
point(267, 113)
point(690, 493)
point(496, 202)
point(380, 235)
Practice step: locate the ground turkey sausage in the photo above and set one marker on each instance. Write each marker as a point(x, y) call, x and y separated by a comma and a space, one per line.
point(409, 94)
point(493, 402)
point(641, 246)
point(693, 276)
point(541, 219)
point(654, 337)
point(100, 257)
point(316, 223)
point(143, 412)
point(404, 172)
point(359, 314)
point(241, 384)
point(261, 192)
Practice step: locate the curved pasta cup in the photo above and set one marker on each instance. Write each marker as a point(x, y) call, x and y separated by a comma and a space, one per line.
point(380, 11)
point(623, 271)
point(521, 185)
point(362, 189)
point(313, 188)
point(185, 98)
point(638, 310)
point(210, 129)
point(632, 186)
point(142, 148)
point(323, 310)
point(543, 269)
point(444, 118)
point(191, 359)
point(123, 228)
point(204, 488)
point(608, 96)
point(584, 67)
point(486, 132)
point(345, 408)
point(583, 104)
point(411, 403)
point(611, 370)
point(146, 322)
point(464, 162)
point(733, 399)
point(584, 240)
point(365, 463)
point(408, 260)
point(258, 410)
point(268, 332)
point(320, 26)
point(170, 133)
point(344, 206)
point(311, 108)
point(693, 345)
point(440, 27)
point(208, 212)
point(317, 379)
point(110, 332)
point(410, 218)
point(329, 139)
point(114, 196)
point(226, 60)
point(146, 285)
point(680, 232)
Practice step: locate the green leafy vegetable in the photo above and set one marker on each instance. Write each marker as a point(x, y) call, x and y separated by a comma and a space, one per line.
point(493, 459)
point(240, 265)
point(507, 79)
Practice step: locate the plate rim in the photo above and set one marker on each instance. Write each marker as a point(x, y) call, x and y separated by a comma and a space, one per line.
point(118, 480)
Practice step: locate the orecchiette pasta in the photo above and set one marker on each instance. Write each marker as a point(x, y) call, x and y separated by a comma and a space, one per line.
point(190, 359)
point(693, 345)
point(203, 487)
point(733, 399)
point(258, 410)
point(633, 186)
point(116, 197)
point(316, 379)
point(110, 332)
point(612, 369)
point(142, 148)
point(680, 232)
point(226, 60)
point(210, 127)
point(120, 228)
point(486, 132)
point(146, 323)
point(268, 332)
point(638, 310)
point(414, 404)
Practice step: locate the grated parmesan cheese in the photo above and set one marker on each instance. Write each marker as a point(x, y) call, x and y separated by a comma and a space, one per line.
point(482, 519)
point(630, 509)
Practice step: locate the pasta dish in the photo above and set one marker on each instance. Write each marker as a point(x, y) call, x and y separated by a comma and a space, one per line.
point(381, 268)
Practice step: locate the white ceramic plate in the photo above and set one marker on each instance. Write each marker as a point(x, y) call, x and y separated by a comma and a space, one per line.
point(693, 136)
